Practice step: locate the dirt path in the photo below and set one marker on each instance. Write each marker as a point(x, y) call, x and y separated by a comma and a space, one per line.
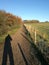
point(20, 51)
point(18, 40)
point(25, 46)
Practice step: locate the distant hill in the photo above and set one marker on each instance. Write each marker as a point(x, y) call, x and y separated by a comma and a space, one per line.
point(8, 21)
point(31, 21)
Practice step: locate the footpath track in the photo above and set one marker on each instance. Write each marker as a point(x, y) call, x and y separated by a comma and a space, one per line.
point(18, 52)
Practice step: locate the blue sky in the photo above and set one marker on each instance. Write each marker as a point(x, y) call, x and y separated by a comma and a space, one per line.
point(27, 9)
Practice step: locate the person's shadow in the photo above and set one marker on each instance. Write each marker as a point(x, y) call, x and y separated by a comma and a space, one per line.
point(7, 51)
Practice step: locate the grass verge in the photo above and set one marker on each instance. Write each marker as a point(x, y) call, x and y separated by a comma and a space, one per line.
point(11, 32)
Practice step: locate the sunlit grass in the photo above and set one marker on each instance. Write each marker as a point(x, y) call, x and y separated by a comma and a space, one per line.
point(42, 29)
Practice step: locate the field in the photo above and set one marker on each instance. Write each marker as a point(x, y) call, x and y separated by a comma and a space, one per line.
point(40, 34)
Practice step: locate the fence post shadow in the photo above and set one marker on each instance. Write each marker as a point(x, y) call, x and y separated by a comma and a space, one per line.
point(23, 55)
point(7, 51)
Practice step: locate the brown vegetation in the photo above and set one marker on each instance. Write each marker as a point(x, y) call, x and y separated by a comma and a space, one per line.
point(8, 21)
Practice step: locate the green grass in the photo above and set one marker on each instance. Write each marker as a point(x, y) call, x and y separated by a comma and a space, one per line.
point(42, 35)
point(42, 29)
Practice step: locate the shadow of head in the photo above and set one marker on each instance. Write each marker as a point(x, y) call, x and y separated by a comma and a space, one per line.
point(8, 39)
